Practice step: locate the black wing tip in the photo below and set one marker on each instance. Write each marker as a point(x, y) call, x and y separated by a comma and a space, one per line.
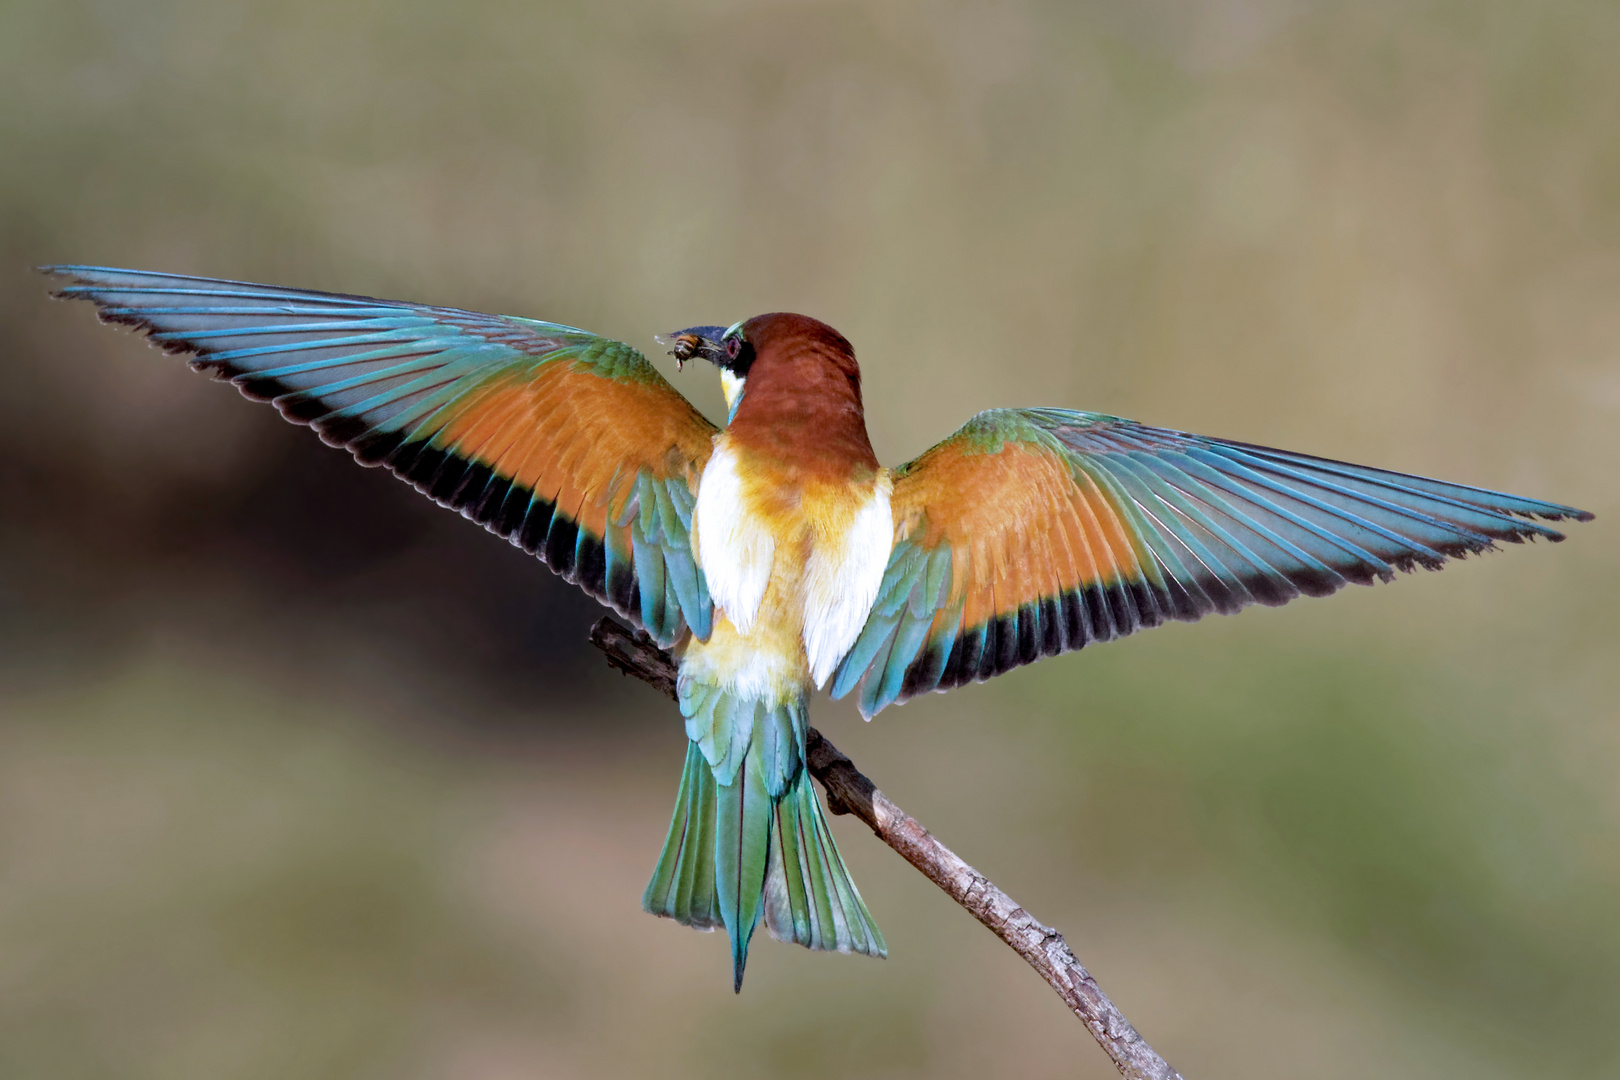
point(122, 317)
point(62, 270)
point(112, 316)
point(1311, 581)
point(374, 448)
point(1565, 513)
point(1547, 512)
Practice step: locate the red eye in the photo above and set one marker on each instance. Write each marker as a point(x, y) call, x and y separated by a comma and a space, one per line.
point(733, 347)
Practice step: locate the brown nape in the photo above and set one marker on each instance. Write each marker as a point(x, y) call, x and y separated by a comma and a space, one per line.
point(803, 399)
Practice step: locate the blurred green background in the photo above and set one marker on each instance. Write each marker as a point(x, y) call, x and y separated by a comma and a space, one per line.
point(301, 776)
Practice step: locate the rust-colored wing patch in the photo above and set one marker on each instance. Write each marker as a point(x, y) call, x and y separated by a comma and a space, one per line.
point(571, 445)
point(1031, 532)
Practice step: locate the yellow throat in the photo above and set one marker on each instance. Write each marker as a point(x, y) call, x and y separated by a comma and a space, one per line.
point(732, 386)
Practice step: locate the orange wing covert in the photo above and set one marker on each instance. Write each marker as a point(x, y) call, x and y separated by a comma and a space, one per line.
point(1031, 532)
point(571, 445)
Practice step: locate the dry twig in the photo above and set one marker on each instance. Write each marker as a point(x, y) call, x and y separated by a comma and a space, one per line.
point(850, 792)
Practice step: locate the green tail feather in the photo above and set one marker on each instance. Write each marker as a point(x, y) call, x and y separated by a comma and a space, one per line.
point(810, 898)
point(682, 887)
point(748, 839)
point(742, 841)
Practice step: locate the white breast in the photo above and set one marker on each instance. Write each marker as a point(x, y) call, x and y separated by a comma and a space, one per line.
point(733, 547)
point(842, 579)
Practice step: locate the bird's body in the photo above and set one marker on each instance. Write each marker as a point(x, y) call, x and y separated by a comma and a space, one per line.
point(792, 530)
point(795, 470)
point(777, 555)
point(794, 563)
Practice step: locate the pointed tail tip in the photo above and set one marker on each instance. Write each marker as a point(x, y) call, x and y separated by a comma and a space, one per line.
point(739, 960)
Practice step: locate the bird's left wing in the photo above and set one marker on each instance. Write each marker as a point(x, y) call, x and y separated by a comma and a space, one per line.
point(1031, 532)
point(571, 445)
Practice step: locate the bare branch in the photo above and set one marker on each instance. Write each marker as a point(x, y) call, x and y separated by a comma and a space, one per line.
point(634, 653)
point(850, 792)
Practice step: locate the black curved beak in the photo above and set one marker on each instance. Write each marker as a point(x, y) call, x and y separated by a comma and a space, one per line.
point(694, 341)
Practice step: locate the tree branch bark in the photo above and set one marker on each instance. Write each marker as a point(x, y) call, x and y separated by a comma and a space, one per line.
point(850, 792)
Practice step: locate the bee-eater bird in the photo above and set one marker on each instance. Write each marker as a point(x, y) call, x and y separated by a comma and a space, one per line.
point(777, 554)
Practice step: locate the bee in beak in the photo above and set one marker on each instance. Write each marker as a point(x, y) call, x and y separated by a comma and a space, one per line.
point(695, 341)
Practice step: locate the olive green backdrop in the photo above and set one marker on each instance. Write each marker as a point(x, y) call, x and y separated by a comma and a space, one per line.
point(303, 777)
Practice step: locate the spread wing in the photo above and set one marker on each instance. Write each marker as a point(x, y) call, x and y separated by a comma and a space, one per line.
point(1031, 532)
point(570, 445)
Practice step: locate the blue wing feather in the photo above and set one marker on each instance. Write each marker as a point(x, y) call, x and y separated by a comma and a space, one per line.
point(1215, 525)
point(383, 378)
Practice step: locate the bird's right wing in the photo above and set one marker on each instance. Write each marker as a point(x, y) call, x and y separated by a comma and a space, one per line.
point(1031, 532)
point(572, 446)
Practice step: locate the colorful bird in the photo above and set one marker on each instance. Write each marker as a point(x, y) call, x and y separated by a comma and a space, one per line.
point(777, 555)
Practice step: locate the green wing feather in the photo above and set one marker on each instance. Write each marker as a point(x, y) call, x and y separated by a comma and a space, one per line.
point(570, 445)
point(1031, 532)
